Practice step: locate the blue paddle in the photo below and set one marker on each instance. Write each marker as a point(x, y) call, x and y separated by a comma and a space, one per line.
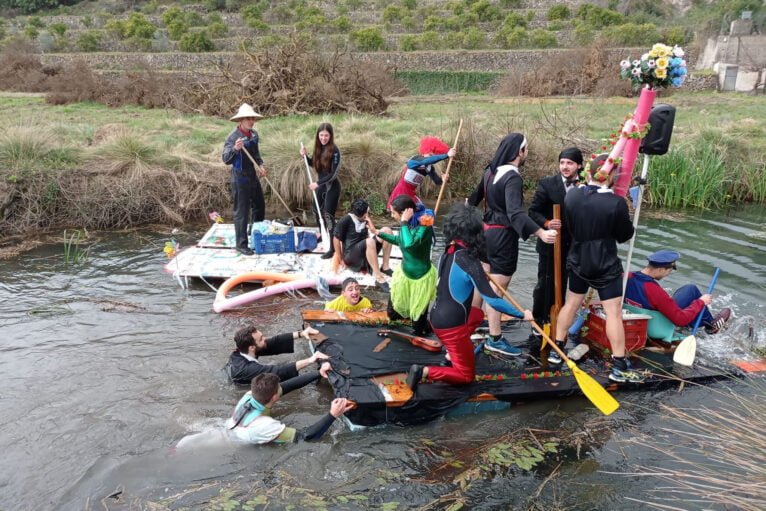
point(709, 291)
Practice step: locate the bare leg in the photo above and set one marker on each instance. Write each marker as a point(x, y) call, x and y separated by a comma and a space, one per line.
point(386, 249)
point(493, 316)
point(372, 258)
point(615, 331)
point(567, 314)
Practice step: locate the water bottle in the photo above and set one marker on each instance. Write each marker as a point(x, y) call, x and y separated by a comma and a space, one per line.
point(578, 352)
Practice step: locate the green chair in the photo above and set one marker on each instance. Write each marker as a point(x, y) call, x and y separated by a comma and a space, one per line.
point(658, 327)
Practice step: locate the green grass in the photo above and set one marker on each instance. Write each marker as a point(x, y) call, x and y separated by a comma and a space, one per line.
point(717, 151)
point(447, 82)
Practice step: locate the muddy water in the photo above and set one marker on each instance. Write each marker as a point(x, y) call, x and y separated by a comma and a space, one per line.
point(106, 365)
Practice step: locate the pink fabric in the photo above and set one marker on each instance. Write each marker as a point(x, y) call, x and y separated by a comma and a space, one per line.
point(457, 340)
point(640, 118)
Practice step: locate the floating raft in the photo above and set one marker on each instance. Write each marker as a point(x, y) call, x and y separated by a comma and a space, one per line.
point(371, 370)
point(214, 257)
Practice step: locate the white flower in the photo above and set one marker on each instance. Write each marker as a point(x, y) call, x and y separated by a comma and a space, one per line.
point(625, 64)
point(636, 71)
point(645, 56)
point(650, 64)
point(636, 63)
point(678, 51)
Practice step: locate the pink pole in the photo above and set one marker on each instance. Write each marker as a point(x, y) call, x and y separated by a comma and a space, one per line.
point(640, 117)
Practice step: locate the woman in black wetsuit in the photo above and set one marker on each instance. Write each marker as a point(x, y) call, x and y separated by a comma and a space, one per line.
point(326, 162)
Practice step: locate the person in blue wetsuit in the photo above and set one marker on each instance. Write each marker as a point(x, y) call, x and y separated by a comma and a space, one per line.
point(456, 312)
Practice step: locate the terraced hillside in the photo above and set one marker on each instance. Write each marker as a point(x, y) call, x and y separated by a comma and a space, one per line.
point(471, 35)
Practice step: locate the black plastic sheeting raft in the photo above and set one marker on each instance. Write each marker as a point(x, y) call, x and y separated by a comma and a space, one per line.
point(375, 380)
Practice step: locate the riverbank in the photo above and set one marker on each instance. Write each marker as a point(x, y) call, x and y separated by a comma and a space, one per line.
point(90, 166)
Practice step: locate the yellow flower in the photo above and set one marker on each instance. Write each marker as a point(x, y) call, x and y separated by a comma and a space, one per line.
point(661, 73)
point(661, 50)
point(662, 63)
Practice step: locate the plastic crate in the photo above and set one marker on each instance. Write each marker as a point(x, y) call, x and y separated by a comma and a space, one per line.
point(635, 329)
point(272, 243)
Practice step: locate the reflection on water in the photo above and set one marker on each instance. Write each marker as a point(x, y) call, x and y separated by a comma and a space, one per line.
point(106, 365)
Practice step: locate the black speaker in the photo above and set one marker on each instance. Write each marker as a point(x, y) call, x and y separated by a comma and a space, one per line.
point(657, 140)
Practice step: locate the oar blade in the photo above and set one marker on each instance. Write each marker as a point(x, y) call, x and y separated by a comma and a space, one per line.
point(593, 390)
point(686, 351)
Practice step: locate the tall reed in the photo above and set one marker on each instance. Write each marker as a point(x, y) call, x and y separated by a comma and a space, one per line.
point(716, 452)
point(74, 254)
point(690, 177)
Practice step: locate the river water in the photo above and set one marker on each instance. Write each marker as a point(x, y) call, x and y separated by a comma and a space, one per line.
point(107, 364)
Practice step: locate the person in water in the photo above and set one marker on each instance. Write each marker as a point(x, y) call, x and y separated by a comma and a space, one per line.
point(326, 162)
point(249, 204)
point(505, 221)
point(432, 150)
point(644, 290)
point(351, 299)
point(356, 249)
point(243, 364)
point(598, 220)
point(251, 422)
point(413, 285)
point(456, 312)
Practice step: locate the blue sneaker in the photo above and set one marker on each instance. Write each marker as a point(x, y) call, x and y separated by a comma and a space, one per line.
point(502, 346)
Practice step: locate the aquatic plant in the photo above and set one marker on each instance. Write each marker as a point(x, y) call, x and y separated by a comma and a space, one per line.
point(73, 253)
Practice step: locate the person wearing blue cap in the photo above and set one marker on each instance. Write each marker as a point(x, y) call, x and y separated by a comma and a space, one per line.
point(644, 290)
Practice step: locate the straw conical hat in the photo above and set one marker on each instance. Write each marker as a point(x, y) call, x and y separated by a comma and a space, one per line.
point(246, 111)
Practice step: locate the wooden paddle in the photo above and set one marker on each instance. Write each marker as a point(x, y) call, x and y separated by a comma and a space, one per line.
point(556, 308)
point(257, 167)
point(687, 349)
point(449, 164)
point(590, 387)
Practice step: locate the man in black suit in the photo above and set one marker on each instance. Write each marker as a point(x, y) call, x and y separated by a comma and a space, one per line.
point(552, 190)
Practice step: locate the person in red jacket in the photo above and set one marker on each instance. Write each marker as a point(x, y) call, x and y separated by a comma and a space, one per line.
point(644, 290)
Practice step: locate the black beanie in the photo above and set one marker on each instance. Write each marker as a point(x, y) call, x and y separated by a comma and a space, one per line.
point(572, 153)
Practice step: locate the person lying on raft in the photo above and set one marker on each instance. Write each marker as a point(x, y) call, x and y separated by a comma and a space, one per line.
point(243, 364)
point(356, 249)
point(251, 421)
point(413, 286)
point(457, 313)
point(644, 290)
point(432, 150)
point(351, 299)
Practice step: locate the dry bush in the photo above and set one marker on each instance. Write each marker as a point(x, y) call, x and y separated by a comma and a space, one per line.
point(311, 82)
point(584, 71)
point(21, 70)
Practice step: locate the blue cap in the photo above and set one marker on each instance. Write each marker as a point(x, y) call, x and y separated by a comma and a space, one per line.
point(663, 258)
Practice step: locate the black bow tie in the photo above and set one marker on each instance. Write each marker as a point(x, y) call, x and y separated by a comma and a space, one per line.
point(570, 182)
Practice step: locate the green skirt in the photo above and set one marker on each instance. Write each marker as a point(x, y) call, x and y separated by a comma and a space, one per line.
point(411, 297)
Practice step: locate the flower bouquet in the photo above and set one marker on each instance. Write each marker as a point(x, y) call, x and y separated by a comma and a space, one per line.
point(663, 67)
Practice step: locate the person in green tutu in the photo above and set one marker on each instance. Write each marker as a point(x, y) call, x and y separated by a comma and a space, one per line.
point(413, 285)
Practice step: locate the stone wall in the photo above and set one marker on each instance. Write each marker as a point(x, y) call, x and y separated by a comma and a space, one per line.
point(496, 60)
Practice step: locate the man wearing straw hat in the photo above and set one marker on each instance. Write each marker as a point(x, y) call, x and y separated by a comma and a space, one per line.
point(246, 188)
